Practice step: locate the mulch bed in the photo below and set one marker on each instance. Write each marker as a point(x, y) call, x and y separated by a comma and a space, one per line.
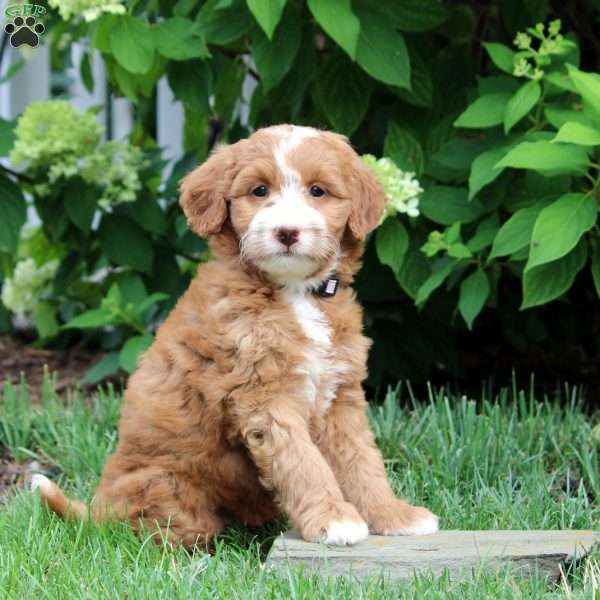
point(19, 360)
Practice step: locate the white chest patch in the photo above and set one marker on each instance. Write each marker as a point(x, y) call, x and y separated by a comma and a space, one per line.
point(320, 366)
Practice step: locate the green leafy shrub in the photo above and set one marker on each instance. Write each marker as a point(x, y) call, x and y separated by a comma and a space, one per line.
point(502, 134)
point(109, 258)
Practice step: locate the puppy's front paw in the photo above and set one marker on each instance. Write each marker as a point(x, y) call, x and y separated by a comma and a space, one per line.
point(346, 533)
point(342, 526)
point(401, 518)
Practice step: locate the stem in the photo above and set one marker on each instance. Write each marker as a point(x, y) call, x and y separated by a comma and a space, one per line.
point(16, 175)
point(538, 111)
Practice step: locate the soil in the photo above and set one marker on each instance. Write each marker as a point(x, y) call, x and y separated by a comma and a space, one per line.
point(18, 360)
point(14, 474)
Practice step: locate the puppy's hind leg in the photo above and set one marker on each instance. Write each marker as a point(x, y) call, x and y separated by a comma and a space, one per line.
point(170, 505)
point(191, 529)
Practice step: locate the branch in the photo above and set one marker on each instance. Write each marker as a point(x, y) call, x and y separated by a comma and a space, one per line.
point(15, 174)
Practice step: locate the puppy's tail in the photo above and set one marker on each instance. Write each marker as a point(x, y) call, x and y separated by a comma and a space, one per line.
point(53, 497)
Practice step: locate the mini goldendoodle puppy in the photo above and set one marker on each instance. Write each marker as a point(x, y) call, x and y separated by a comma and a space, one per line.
point(249, 402)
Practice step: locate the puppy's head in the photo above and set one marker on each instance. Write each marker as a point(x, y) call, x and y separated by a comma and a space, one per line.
point(291, 195)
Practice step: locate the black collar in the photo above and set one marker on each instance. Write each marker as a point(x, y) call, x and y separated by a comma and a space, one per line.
point(329, 287)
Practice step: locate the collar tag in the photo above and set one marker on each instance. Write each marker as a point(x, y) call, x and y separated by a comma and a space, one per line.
point(328, 288)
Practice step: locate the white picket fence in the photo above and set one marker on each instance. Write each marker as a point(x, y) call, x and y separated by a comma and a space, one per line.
point(32, 83)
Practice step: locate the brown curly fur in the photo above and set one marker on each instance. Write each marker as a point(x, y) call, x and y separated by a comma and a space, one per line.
point(215, 421)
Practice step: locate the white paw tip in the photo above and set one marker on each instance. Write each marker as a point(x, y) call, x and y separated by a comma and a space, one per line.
point(41, 482)
point(424, 526)
point(346, 533)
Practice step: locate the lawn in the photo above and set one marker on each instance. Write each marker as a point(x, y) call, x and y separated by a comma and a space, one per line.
point(512, 461)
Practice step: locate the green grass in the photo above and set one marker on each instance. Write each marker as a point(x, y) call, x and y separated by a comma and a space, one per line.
point(495, 463)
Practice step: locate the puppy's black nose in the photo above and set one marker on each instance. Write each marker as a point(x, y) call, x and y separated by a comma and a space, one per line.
point(288, 237)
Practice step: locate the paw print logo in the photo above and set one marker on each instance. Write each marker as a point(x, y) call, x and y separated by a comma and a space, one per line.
point(24, 31)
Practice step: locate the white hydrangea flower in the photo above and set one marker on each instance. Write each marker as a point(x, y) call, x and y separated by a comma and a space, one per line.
point(53, 133)
point(401, 187)
point(89, 10)
point(114, 167)
point(21, 293)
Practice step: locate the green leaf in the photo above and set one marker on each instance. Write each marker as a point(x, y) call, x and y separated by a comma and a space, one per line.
point(502, 56)
point(404, 149)
point(459, 251)
point(391, 243)
point(275, 58)
point(129, 289)
point(587, 84)
point(125, 243)
point(484, 170)
point(441, 271)
point(339, 78)
point(228, 88)
point(421, 84)
point(485, 233)
point(13, 211)
point(474, 291)
point(103, 29)
point(415, 15)
point(557, 116)
point(7, 136)
point(147, 212)
point(5, 320)
point(224, 23)
point(561, 80)
point(105, 367)
point(497, 84)
point(381, 50)
point(180, 39)
point(190, 82)
point(131, 351)
point(132, 44)
point(524, 99)
point(151, 300)
point(540, 186)
point(85, 71)
point(267, 13)
point(81, 203)
point(486, 111)
point(595, 267)
point(126, 82)
point(196, 133)
point(97, 317)
point(515, 234)
point(576, 133)
point(546, 157)
point(447, 205)
point(338, 21)
point(45, 320)
point(183, 8)
point(414, 271)
point(559, 227)
point(551, 280)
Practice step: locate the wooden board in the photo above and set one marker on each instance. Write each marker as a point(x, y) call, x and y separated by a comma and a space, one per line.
point(461, 553)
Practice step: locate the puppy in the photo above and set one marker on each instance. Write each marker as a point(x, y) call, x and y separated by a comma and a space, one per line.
point(249, 402)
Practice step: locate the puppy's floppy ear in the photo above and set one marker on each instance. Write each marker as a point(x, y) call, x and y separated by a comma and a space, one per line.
point(203, 192)
point(368, 201)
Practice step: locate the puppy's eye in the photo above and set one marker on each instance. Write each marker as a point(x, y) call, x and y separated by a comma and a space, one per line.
point(261, 191)
point(316, 191)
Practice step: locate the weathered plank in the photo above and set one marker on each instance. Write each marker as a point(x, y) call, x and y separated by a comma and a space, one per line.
point(461, 553)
